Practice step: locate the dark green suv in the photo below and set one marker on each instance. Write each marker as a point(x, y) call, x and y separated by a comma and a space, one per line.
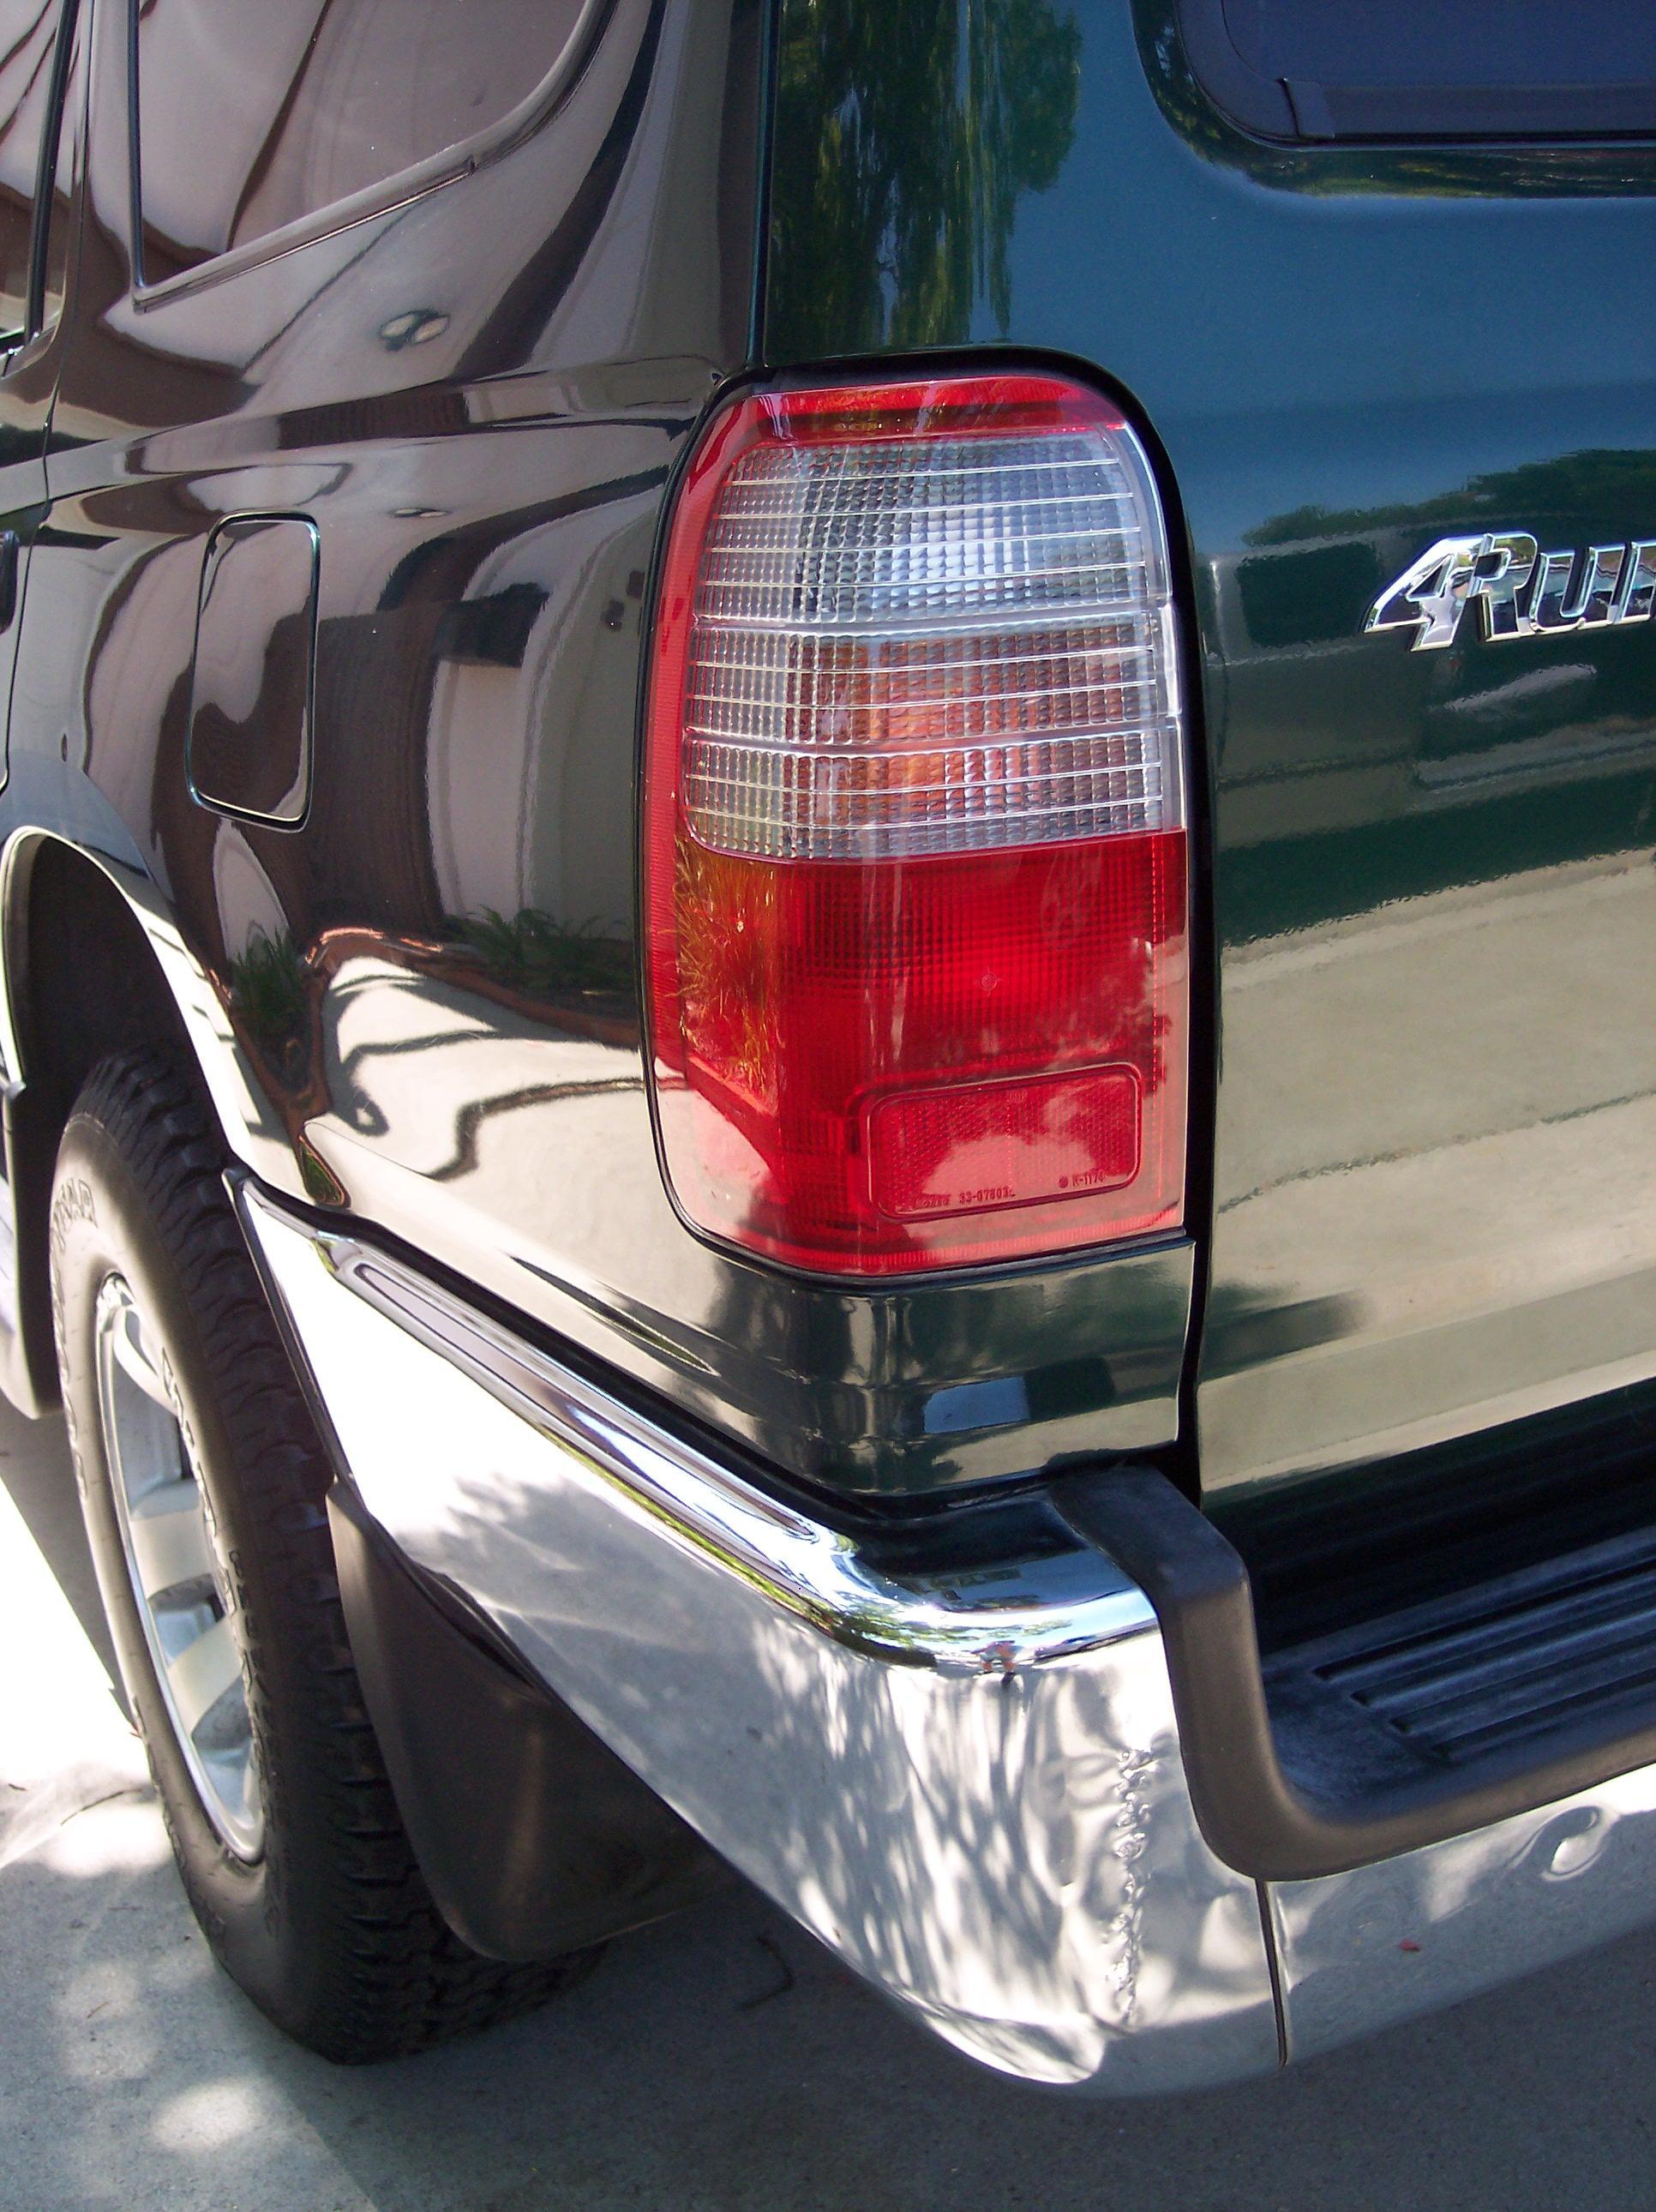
point(868, 1085)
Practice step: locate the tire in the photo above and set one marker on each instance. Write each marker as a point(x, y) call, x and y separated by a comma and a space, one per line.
point(270, 1777)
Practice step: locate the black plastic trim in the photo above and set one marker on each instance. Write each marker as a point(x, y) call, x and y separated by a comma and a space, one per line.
point(533, 1836)
point(1259, 104)
point(28, 1361)
point(1257, 1817)
point(45, 170)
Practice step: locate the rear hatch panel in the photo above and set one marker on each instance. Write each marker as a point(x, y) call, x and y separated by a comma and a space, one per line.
point(1433, 902)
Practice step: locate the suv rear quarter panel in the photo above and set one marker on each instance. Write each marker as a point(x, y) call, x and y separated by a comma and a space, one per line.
point(429, 984)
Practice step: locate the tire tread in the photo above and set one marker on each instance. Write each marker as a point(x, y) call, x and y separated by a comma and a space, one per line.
point(394, 1979)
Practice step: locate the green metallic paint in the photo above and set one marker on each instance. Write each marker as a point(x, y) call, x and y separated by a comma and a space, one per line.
point(1434, 1140)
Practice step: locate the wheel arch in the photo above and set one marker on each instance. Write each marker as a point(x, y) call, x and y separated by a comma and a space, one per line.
point(91, 961)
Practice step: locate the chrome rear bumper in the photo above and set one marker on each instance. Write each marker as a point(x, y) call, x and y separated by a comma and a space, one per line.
point(968, 1785)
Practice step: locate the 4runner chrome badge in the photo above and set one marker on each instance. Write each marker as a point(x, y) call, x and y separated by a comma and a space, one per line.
point(1523, 591)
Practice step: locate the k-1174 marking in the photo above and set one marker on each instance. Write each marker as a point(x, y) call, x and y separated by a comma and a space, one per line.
point(1523, 591)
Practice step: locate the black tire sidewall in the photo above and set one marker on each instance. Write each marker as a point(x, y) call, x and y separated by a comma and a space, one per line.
point(103, 1225)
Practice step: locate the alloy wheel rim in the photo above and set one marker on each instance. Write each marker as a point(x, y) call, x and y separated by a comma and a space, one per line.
point(184, 1596)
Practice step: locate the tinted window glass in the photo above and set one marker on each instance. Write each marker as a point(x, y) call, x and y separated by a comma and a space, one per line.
point(1448, 42)
point(27, 32)
point(1419, 68)
point(311, 100)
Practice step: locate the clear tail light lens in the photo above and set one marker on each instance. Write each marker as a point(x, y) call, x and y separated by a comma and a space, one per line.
point(915, 867)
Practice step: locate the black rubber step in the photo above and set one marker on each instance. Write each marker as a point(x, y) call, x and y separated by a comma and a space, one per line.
point(1342, 1546)
point(1406, 1727)
point(1496, 1667)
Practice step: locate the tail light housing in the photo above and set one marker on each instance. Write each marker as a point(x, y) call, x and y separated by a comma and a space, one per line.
point(915, 860)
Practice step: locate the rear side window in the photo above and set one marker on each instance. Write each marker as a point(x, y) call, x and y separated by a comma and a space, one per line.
point(253, 114)
point(27, 33)
point(1428, 69)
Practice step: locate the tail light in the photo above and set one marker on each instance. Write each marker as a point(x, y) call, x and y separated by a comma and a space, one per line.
point(915, 861)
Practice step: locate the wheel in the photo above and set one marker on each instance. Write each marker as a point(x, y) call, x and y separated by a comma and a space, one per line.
point(203, 1480)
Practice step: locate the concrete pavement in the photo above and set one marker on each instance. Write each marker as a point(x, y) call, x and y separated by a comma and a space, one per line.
point(721, 2064)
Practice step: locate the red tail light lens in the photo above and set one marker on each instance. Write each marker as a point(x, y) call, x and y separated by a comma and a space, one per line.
point(915, 858)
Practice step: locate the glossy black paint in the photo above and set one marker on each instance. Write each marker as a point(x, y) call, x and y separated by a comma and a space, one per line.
point(419, 1003)
point(29, 367)
point(1422, 1170)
